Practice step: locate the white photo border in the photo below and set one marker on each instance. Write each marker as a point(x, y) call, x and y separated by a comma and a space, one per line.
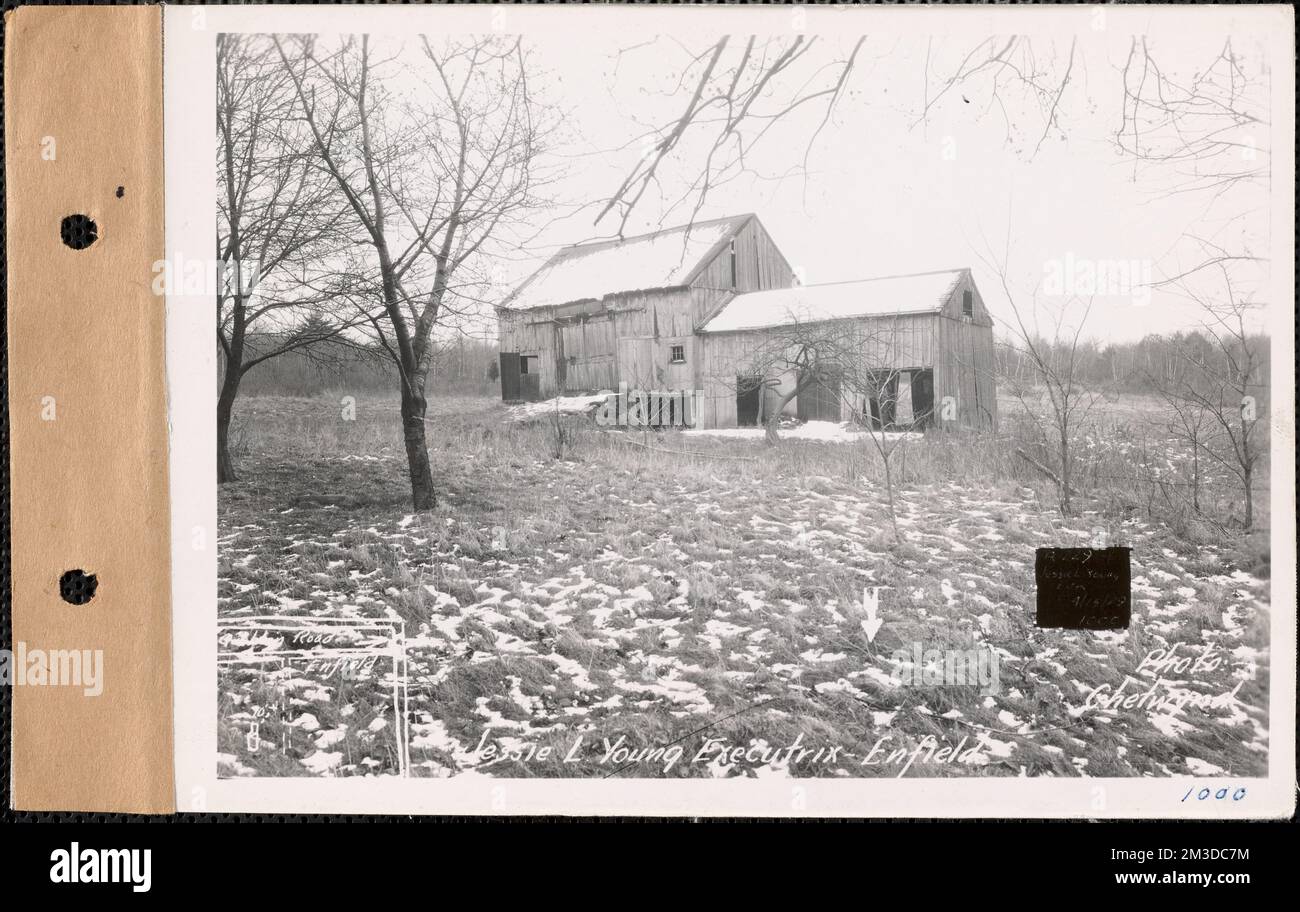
point(189, 66)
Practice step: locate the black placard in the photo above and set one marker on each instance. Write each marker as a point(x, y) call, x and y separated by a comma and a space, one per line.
point(1083, 588)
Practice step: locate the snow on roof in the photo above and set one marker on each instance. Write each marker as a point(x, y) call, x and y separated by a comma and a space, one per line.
point(923, 293)
point(664, 259)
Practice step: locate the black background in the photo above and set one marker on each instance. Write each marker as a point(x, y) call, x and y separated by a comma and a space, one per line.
point(905, 864)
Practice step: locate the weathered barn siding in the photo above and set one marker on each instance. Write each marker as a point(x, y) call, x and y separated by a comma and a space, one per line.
point(759, 266)
point(622, 338)
point(900, 342)
point(966, 367)
point(723, 358)
point(627, 337)
point(958, 351)
point(966, 372)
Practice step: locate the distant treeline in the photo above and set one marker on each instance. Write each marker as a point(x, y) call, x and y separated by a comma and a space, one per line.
point(460, 365)
point(466, 365)
point(1130, 367)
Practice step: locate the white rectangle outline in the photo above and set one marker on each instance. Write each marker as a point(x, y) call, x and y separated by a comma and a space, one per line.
point(189, 36)
point(397, 646)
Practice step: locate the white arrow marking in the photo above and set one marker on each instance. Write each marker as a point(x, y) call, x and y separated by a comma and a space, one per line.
point(871, 602)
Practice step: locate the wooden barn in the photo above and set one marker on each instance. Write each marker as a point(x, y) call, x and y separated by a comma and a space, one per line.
point(688, 309)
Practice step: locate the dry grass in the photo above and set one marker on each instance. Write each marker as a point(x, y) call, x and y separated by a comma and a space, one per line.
point(666, 599)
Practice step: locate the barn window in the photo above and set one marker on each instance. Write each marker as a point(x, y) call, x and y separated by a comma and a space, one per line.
point(677, 354)
point(528, 364)
point(733, 262)
point(967, 303)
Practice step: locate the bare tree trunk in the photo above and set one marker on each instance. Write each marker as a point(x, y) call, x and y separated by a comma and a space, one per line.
point(233, 373)
point(1248, 472)
point(225, 405)
point(772, 437)
point(1066, 505)
point(889, 493)
point(414, 406)
point(1196, 474)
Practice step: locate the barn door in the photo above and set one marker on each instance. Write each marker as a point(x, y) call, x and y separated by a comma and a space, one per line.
point(589, 351)
point(749, 392)
point(530, 378)
point(923, 398)
point(819, 400)
point(510, 376)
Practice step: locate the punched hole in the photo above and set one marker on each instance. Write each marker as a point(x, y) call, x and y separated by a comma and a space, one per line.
point(121, 191)
point(77, 587)
point(78, 231)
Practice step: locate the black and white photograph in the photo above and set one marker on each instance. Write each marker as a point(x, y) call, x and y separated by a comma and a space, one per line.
point(784, 394)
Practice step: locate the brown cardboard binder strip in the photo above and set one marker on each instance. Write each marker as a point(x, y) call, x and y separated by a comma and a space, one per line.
point(87, 408)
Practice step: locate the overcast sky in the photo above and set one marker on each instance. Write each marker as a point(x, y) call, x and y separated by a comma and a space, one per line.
point(884, 194)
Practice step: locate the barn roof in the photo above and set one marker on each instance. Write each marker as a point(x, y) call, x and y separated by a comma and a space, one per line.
point(925, 292)
point(668, 258)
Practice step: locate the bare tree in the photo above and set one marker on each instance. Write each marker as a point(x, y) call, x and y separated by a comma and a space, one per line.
point(998, 68)
point(1052, 395)
point(1206, 124)
point(1219, 386)
point(274, 219)
point(1189, 423)
point(1203, 134)
point(854, 360)
point(435, 178)
point(877, 383)
point(788, 360)
point(736, 94)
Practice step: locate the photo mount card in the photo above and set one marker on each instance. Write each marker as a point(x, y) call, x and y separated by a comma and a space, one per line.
point(652, 416)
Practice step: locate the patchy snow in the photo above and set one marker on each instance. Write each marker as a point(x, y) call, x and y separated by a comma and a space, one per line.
point(830, 431)
point(307, 722)
point(1204, 768)
point(567, 405)
point(331, 737)
point(635, 607)
point(323, 762)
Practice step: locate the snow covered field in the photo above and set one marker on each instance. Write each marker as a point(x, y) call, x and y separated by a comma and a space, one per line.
point(584, 617)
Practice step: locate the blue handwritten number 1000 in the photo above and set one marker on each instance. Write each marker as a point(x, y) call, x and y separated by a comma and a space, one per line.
point(1219, 795)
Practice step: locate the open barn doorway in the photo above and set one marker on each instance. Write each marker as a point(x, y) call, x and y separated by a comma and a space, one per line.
point(749, 395)
point(922, 399)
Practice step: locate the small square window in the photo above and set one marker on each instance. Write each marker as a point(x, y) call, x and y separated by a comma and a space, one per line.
point(677, 354)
